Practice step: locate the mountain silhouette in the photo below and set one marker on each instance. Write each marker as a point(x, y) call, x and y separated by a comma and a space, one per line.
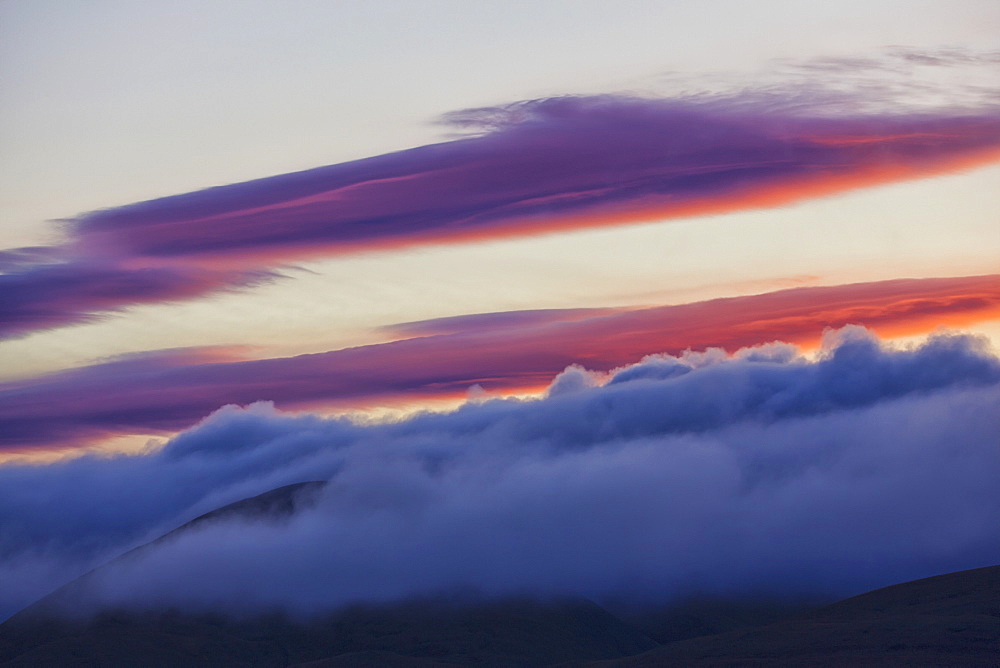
point(413, 633)
point(946, 620)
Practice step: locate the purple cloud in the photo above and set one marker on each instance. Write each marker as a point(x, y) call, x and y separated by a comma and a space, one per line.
point(539, 165)
point(534, 167)
point(56, 294)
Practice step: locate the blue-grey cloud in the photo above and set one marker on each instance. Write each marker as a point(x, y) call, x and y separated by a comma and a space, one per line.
point(759, 472)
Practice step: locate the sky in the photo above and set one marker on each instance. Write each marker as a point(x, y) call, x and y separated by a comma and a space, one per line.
point(253, 243)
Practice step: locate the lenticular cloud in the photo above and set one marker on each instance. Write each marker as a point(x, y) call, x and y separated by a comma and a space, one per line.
point(547, 164)
point(760, 472)
point(535, 166)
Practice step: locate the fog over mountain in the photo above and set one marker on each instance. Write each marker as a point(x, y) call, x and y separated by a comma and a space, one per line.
point(764, 472)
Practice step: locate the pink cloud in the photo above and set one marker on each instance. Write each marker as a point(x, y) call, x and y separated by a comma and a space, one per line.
point(539, 166)
point(165, 392)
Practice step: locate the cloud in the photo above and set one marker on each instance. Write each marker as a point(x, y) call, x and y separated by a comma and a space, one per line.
point(13, 259)
point(63, 293)
point(901, 79)
point(517, 352)
point(954, 56)
point(543, 165)
point(891, 60)
point(494, 321)
point(760, 472)
point(530, 167)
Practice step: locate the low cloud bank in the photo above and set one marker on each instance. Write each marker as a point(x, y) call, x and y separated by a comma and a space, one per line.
point(761, 472)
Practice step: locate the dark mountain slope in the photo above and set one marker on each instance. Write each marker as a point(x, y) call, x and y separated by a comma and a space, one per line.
point(509, 633)
point(709, 615)
point(947, 620)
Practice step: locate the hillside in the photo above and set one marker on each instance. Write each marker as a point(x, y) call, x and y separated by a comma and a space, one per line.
point(951, 619)
point(416, 633)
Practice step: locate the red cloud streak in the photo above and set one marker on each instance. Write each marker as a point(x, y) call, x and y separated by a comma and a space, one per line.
point(166, 392)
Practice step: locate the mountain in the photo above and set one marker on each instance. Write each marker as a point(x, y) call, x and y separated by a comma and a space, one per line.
point(947, 620)
point(414, 633)
point(276, 505)
point(508, 633)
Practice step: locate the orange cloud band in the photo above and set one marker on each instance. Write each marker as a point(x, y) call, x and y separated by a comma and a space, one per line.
point(166, 392)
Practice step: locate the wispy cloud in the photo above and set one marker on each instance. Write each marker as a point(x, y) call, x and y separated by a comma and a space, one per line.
point(55, 294)
point(166, 392)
